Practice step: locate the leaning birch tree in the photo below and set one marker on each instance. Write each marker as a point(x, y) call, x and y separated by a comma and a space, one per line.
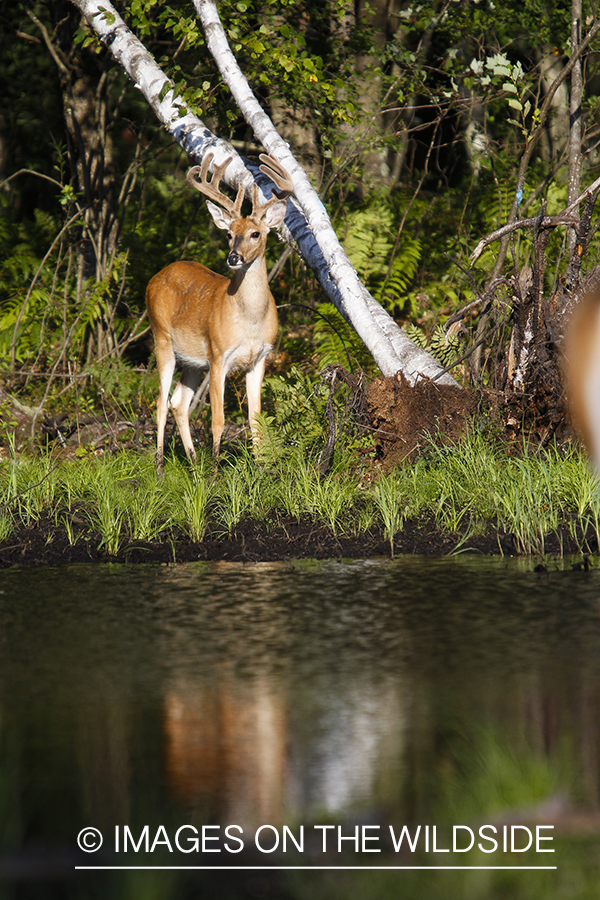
point(307, 224)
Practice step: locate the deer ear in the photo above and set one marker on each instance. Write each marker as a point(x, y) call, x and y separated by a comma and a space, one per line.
point(221, 218)
point(275, 214)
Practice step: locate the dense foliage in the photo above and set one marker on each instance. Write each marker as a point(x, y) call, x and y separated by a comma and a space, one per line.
point(411, 118)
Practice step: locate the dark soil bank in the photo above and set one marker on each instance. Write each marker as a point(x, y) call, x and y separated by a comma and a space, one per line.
point(45, 544)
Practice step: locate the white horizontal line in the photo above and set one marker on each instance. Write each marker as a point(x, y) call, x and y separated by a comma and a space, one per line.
point(329, 868)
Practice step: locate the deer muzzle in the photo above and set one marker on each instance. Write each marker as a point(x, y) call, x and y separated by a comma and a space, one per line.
point(234, 260)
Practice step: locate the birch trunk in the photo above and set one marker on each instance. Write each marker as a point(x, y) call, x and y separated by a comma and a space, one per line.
point(308, 226)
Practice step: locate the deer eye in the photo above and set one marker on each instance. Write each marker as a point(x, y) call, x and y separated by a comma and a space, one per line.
point(255, 235)
point(229, 235)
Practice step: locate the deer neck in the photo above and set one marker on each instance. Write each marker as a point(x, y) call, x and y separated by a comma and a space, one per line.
point(250, 285)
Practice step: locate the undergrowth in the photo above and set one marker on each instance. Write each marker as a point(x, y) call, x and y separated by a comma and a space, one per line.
point(466, 489)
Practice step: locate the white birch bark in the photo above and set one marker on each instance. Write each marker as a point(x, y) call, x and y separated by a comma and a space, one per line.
point(309, 226)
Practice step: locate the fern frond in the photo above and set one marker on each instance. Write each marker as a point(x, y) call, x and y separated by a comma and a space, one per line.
point(416, 334)
point(444, 345)
point(369, 240)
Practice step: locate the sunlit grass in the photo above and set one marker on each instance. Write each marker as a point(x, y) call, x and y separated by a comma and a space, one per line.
point(464, 489)
point(189, 491)
point(107, 503)
point(7, 526)
point(389, 503)
point(236, 493)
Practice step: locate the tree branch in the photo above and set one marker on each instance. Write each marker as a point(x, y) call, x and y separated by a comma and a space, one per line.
point(533, 221)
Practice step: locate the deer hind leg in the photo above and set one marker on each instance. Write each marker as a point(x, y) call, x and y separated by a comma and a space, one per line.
point(165, 360)
point(254, 380)
point(180, 404)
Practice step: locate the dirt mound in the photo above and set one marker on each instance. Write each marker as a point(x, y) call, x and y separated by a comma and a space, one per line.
point(402, 415)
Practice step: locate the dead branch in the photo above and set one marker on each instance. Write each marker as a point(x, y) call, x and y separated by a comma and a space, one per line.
point(581, 243)
point(563, 218)
point(484, 299)
point(356, 407)
point(532, 222)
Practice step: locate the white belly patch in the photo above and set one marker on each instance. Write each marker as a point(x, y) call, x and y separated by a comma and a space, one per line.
point(191, 362)
point(245, 357)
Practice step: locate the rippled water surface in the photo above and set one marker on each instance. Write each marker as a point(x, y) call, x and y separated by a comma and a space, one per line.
point(377, 693)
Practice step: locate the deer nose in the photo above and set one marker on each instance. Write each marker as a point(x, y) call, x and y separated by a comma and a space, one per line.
point(234, 260)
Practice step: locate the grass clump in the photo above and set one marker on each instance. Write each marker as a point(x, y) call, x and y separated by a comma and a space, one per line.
point(329, 500)
point(193, 489)
point(465, 489)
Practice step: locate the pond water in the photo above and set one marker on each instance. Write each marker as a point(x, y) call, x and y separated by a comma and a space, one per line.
point(199, 716)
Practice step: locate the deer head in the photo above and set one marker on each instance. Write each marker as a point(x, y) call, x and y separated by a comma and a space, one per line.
point(247, 235)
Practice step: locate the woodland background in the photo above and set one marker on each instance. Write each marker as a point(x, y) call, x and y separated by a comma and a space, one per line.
point(424, 127)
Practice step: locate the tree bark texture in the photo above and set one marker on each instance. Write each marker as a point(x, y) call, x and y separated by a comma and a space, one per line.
point(575, 123)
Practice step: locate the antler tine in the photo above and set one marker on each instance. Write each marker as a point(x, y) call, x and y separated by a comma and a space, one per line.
point(198, 178)
point(278, 174)
point(275, 171)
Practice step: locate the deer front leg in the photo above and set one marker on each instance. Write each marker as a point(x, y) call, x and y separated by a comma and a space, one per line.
point(254, 380)
point(165, 361)
point(217, 413)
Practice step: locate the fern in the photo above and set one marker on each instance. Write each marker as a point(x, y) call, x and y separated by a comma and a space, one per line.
point(297, 403)
point(28, 332)
point(369, 240)
point(444, 345)
point(55, 306)
point(416, 334)
point(295, 426)
point(393, 292)
point(369, 245)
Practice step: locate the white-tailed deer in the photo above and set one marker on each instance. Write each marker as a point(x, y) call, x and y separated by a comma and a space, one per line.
point(200, 319)
point(582, 361)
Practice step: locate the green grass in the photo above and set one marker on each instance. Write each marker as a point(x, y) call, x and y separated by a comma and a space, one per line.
point(465, 489)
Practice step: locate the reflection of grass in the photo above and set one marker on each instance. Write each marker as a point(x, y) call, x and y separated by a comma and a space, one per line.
point(576, 878)
point(486, 780)
point(465, 489)
point(496, 778)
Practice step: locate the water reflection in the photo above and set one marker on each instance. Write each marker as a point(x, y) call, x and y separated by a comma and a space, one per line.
point(405, 691)
point(225, 748)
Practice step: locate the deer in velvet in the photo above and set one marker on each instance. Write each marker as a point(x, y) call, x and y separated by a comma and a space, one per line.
point(201, 319)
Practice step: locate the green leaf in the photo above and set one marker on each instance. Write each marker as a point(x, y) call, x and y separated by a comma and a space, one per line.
point(108, 17)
